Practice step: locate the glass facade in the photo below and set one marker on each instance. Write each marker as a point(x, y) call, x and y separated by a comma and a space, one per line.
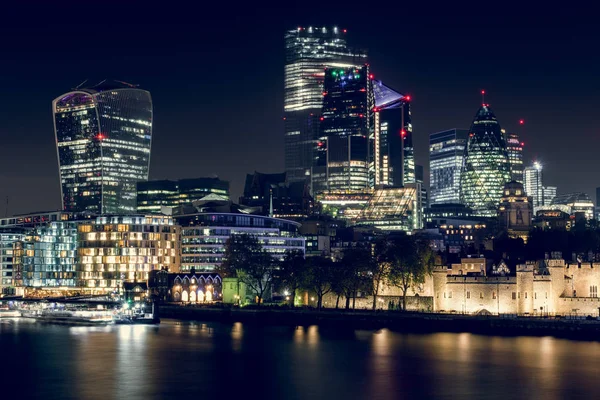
point(49, 257)
point(96, 255)
point(203, 237)
point(152, 196)
point(103, 136)
point(343, 147)
point(446, 154)
point(8, 238)
point(533, 183)
point(276, 197)
point(394, 209)
point(392, 131)
point(125, 248)
point(308, 52)
point(515, 157)
point(486, 169)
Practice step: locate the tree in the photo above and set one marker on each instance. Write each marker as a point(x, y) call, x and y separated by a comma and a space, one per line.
point(410, 262)
point(292, 273)
point(382, 267)
point(355, 267)
point(246, 259)
point(318, 277)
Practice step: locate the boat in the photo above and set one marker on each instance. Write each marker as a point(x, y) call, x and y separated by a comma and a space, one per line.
point(136, 319)
point(65, 317)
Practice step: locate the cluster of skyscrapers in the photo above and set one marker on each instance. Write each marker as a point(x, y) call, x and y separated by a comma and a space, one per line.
point(348, 154)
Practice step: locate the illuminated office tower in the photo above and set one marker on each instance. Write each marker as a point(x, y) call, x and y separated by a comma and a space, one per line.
point(391, 126)
point(343, 147)
point(514, 148)
point(308, 52)
point(533, 183)
point(550, 193)
point(446, 153)
point(486, 169)
point(103, 134)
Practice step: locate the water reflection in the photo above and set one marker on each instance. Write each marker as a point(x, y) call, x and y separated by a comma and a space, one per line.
point(206, 360)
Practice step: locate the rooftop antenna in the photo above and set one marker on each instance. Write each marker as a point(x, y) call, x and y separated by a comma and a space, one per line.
point(271, 202)
point(483, 97)
point(127, 84)
point(81, 84)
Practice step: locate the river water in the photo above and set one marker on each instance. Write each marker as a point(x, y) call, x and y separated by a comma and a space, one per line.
point(187, 360)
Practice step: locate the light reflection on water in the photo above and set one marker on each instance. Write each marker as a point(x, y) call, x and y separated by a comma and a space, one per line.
point(209, 360)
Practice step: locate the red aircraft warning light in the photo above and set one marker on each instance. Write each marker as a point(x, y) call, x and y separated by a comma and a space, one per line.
point(521, 122)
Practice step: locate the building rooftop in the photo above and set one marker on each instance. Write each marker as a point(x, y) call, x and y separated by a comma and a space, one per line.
point(385, 97)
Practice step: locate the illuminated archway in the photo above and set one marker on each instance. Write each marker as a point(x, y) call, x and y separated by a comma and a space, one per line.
point(184, 296)
point(192, 296)
point(209, 295)
point(200, 296)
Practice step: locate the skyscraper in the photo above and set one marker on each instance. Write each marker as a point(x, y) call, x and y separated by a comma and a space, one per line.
point(486, 169)
point(391, 124)
point(550, 193)
point(343, 147)
point(308, 52)
point(515, 157)
point(446, 153)
point(533, 183)
point(103, 134)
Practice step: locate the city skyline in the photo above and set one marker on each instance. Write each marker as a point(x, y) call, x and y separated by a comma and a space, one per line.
point(443, 95)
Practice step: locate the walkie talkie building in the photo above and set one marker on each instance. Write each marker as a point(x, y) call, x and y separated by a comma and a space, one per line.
point(103, 136)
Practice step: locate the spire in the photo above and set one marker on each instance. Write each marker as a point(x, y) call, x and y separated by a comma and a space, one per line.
point(271, 202)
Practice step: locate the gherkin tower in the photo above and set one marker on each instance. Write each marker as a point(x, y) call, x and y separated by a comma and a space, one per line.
point(486, 168)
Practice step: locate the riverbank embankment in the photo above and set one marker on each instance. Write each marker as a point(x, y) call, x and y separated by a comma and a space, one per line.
point(580, 329)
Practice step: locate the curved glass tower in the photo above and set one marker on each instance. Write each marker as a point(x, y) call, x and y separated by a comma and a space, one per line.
point(486, 168)
point(103, 135)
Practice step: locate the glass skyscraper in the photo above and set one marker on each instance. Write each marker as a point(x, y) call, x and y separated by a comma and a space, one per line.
point(103, 134)
point(446, 153)
point(533, 183)
point(391, 129)
point(486, 169)
point(308, 52)
point(343, 147)
point(515, 157)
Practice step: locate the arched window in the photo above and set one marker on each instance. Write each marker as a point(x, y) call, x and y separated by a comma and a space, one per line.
point(184, 296)
point(192, 296)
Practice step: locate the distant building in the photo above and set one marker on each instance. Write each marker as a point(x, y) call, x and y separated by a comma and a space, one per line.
point(95, 256)
point(343, 147)
point(552, 219)
point(206, 227)
point(394, 209)
point(393, 163)
point(516, 211)
point(515, 157)
point(103, 134)
point(308, 52)
point(446, 155)
point(533, 183)
point(574, 204)
point(486, 169)
point(437, 214)
point(550, 193)
point(272, 195)
point(36, 219)
point(158, 196)
point(598, 203)
point(8, 238)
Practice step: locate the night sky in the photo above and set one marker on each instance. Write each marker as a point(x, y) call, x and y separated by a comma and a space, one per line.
point(216, 78)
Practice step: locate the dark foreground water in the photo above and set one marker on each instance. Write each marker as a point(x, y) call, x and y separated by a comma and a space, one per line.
point(182, 360)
